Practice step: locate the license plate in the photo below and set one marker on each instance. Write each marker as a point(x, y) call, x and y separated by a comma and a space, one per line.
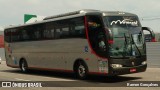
point(133, 70)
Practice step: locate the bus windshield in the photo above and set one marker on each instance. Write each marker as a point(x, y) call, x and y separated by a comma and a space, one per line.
point(127, 36)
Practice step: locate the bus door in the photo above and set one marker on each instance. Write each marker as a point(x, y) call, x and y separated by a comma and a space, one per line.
point(97, 36)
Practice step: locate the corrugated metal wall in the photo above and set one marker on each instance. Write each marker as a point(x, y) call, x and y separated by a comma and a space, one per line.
point(2, 54)
point(153, 54)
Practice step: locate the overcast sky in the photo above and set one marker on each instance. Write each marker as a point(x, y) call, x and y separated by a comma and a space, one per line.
point(12, 11)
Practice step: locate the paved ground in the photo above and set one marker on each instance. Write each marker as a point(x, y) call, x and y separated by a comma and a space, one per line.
point(61, 80)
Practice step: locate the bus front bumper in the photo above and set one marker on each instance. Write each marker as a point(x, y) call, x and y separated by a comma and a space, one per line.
point(127, 70)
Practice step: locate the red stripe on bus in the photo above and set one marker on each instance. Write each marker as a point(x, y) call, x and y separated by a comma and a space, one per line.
point(38, 68)
point(92, 51)
point(98, 73)
point(63, 70)
point(60, 70)
point(50, 69)
point(14, 66)
point(87, 59)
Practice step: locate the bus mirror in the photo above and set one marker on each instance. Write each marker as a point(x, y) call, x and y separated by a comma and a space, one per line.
point(148, 34)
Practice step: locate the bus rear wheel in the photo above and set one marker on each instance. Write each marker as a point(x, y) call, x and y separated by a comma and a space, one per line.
point(23, 66)
point(81, 70)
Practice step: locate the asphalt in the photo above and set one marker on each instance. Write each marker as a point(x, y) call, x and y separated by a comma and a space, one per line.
point(66, 81)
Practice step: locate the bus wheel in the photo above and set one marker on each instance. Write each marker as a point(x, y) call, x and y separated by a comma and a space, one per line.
point(23, 66)
point(81, 70)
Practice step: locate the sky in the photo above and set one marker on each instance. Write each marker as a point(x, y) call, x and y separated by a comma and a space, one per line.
point(12, 11)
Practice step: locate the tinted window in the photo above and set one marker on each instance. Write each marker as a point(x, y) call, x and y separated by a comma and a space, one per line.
point(68, 28)
point(7, 35)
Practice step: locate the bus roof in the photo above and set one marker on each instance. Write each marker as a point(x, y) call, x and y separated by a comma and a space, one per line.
point(85, 11)
point(90, 11)
point(76, 14)
point(117, 13)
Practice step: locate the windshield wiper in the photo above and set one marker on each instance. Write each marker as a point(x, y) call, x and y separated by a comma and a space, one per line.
point(135, 45)
point(125, 44)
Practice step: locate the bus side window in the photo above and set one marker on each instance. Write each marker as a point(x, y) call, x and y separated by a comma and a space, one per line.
point(7, 35)
point(57, 33)
point(52, 33)
point(49, 32)
point(15, 35)
point(37, 35)
point(25, 35)
point(65, 32)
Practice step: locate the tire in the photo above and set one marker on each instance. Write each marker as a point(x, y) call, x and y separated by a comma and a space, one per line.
point(81, 70)
point(24, 66)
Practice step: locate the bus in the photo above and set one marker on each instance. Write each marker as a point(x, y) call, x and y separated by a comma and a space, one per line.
point(149, 34)
point(83, 42)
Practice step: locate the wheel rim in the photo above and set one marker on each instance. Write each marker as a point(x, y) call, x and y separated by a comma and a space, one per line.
point(23, 66)
point(81, 71)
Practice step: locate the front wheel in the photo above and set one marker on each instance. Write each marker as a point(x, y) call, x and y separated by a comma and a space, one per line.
point(23, 66)
point(81, 70)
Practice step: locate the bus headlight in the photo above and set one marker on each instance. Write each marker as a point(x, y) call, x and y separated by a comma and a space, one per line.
point(116, 65)
point(144, 62)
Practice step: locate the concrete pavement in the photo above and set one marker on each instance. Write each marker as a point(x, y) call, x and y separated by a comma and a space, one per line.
point(60, 80)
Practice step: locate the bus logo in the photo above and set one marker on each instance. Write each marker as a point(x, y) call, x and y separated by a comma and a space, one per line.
point(126, 21)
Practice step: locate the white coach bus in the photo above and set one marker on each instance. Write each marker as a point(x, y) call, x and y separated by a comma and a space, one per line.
point(84, 42)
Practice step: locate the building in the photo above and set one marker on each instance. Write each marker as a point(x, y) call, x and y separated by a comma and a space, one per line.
point(1, 38)
point(2, 54)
